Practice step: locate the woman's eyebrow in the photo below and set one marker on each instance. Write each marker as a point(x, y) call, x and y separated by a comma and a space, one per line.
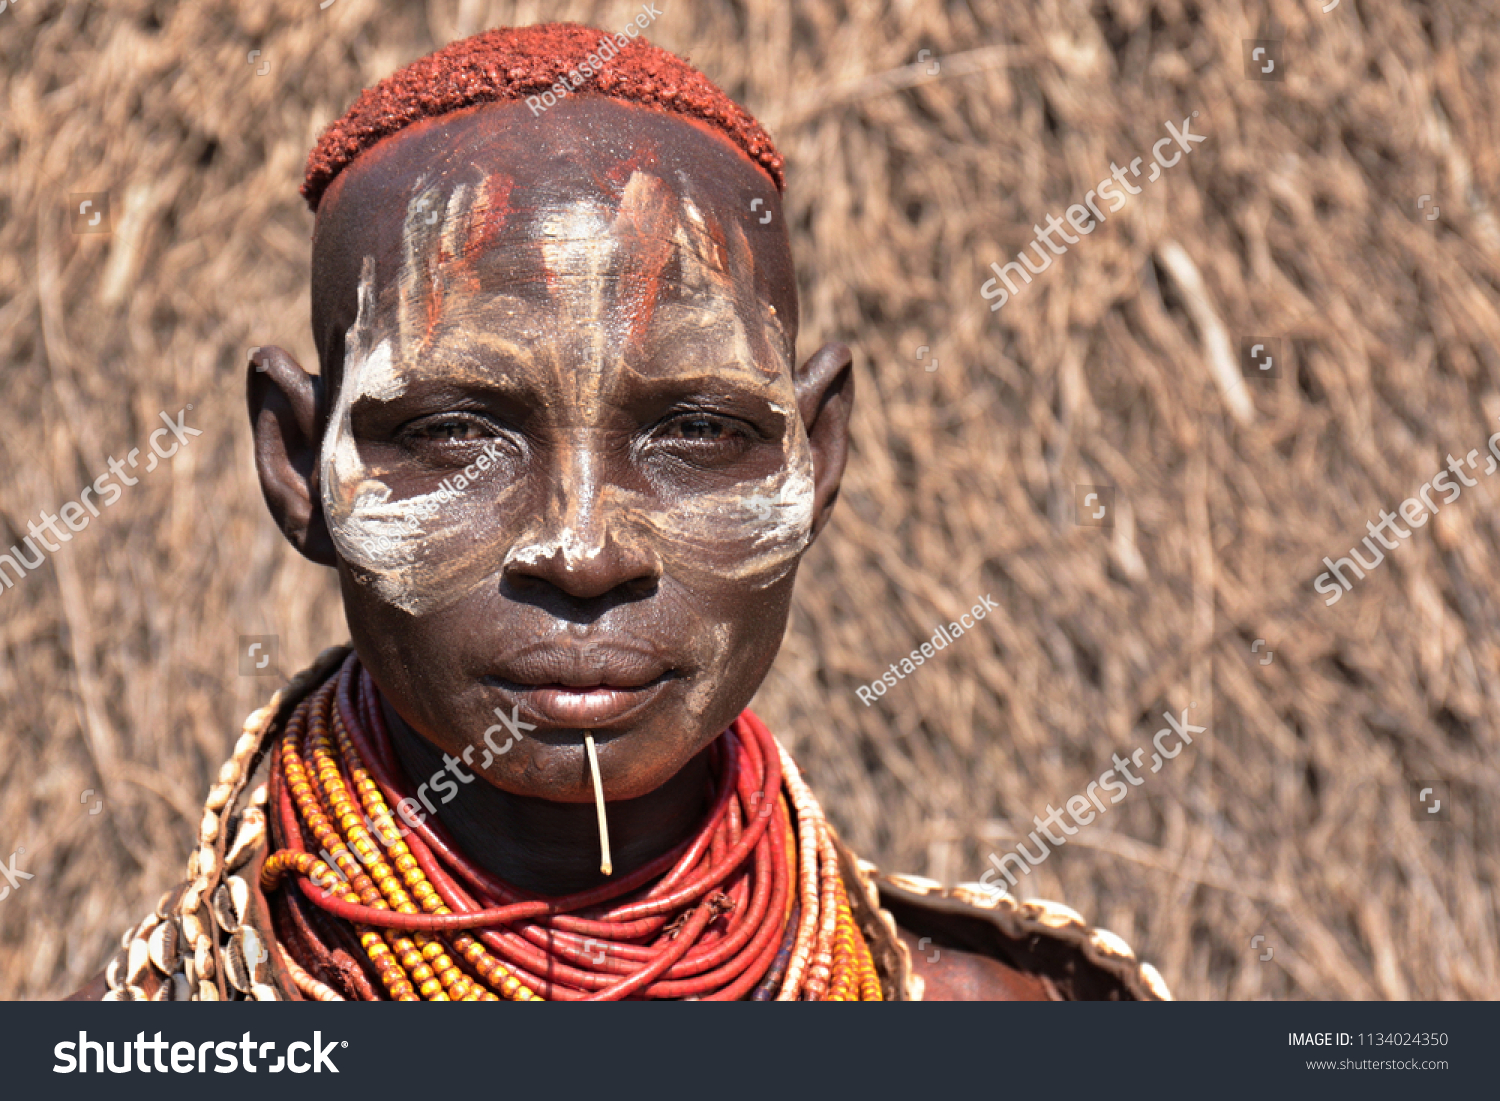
point(439, 384)
point(713, 387)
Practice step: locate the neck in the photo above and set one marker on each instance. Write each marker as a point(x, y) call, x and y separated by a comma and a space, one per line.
point(552, 848)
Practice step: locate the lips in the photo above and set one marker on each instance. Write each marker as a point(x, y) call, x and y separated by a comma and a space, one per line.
point(585, 708)
point(582, 687)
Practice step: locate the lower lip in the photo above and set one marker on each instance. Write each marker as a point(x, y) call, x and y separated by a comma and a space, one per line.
point(584, 708)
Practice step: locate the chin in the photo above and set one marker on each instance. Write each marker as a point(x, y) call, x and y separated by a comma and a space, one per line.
point(633, 762)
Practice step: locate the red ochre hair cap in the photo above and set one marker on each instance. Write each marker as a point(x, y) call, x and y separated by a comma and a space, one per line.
point(511, 63)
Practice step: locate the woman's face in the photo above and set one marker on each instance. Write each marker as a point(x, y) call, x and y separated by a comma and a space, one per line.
point(564, 471)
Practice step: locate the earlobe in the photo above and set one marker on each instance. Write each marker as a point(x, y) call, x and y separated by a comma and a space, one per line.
point(286, 419)
point(825, 401)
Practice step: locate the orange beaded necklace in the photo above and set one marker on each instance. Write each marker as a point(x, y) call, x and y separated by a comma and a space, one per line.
point(751, 906)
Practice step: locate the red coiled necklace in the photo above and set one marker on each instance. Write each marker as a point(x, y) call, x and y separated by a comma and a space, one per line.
point(718, 917)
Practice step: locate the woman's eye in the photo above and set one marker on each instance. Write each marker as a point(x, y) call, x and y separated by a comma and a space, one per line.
point(705, 440)
point(453, 429)
point(702, 428)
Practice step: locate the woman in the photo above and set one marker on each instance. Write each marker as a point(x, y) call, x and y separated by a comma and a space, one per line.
point(566, 467)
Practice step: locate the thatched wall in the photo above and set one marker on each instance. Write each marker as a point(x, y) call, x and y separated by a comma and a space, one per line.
point(1290, 817)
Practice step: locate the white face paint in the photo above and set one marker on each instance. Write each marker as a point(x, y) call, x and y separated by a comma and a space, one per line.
point(603, 303)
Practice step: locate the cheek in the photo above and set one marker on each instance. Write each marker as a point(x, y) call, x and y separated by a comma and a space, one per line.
point(413, 660)
point(420, 554)
point(754, 532)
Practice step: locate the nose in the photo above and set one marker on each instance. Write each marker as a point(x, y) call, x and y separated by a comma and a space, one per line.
point(583, 544)
point(584, 567)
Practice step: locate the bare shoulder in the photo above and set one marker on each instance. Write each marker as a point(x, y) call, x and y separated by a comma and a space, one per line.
point(976, 942)
point(954, 975)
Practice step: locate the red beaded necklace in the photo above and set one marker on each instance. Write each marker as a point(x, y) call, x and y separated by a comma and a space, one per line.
point(716, 918)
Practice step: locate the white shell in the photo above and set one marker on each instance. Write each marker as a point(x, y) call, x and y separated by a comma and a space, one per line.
point(192, 898)
point(235, 969)
point(137, 961)
point(208, 863)
point(162, 946)
point(203, 958)
point(979, 895)
point(257, 958)
point(223, 908)
point(192, 927)
point(239, 897)
point(1054, 915)
point(251, 833)
point(246, 744)
point(114, 971)
point(257, 718)
point(1155, 983)
point(1111, 944)
point(916, 884)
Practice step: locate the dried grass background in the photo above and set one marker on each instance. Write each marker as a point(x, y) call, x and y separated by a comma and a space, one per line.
point(1289, 818)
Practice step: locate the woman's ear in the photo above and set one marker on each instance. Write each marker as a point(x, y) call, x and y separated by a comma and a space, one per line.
point(286, 424)
point(825, 399)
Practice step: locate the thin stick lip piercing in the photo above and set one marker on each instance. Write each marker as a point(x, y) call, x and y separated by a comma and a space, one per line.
point(606, 865)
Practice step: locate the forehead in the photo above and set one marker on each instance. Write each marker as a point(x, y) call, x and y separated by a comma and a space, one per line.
point(595, 210)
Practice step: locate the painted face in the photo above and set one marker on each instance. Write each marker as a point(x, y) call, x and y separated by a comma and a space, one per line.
point(596, 305)
point(565, 471)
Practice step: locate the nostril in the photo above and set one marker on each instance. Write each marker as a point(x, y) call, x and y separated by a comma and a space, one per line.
point(567, 565)
point(570, 603)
